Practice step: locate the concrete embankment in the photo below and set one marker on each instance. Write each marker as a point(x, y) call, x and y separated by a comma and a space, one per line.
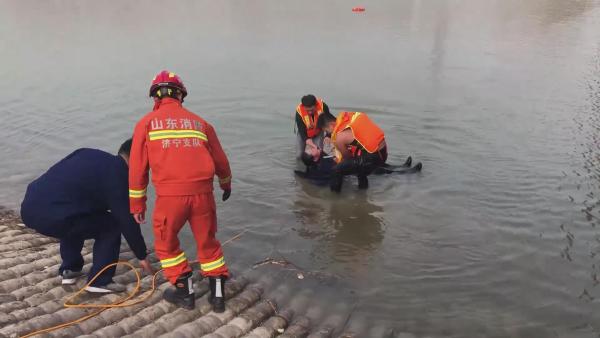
point(32, 298)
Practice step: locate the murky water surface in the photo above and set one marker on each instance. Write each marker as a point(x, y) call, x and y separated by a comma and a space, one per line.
point(499, 99)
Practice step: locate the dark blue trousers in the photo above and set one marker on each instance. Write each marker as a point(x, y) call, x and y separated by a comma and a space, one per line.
point(72, 232)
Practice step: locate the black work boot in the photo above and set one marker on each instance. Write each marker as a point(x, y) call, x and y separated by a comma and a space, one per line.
point(335, 183)
point(363, 182)
point(217, 293)
point(183, 293)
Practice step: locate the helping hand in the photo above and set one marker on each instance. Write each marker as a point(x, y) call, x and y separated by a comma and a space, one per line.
point(226, 194)
point(313, 151)
point(145, 265)
point(140, 218)
point(316, 154)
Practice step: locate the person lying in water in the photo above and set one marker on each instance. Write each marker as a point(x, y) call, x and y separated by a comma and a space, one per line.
point(320, 171)
point(352, 145)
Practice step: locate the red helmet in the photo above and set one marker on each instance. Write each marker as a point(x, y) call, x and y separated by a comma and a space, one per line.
point(169, 80)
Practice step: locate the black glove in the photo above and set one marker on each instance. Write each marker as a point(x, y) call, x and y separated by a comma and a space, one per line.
point(226, 194)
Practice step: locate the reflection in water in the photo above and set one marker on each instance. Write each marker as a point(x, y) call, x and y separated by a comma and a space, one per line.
point(356, 222)
point(439, 49)
point(348, 226)
point(551, 12)
point(585, 182)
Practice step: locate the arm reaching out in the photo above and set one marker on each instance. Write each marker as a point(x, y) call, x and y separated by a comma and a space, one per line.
point(222, 168)
point(342, 141)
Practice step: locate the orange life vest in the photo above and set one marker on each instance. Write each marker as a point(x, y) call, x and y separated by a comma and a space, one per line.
point(366, 133)
point(310, 121)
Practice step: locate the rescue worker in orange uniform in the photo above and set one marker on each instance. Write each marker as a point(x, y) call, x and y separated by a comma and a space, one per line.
point(310, 140)
point(359, 146)
point(184, 154)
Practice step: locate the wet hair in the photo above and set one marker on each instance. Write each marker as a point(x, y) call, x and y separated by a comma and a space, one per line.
point(307, 159)
point(125, 148)
point(324, 119)
point(309, 100)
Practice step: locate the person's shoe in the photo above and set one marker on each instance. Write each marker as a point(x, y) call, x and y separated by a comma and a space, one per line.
point(217, 293)
point(108, 288)
point(183, 293)
point(363, 182)
point(70, 277)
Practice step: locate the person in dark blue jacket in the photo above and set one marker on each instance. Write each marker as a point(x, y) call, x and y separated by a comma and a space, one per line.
point(85, 196)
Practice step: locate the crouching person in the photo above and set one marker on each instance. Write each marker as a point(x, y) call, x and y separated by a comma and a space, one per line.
point(359, 145)
point(85, 196)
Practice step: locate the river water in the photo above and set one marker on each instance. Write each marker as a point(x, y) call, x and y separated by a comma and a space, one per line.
point(500, 100)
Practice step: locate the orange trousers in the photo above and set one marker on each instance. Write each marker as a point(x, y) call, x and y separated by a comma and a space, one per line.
point(170, 214)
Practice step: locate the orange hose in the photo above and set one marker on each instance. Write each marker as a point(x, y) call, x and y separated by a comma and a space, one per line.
point(119, 303)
